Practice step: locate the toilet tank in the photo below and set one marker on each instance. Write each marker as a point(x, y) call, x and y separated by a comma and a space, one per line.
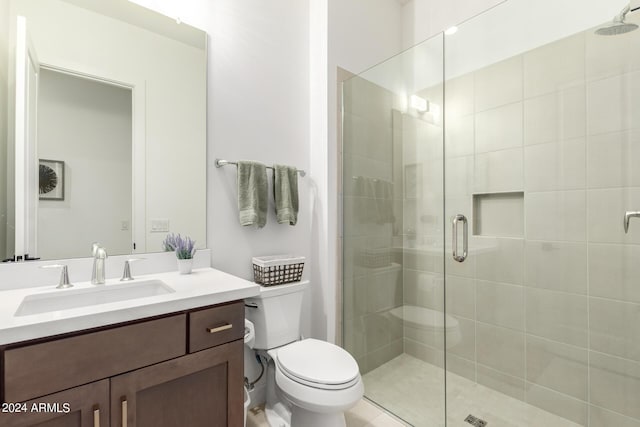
point(275, 313)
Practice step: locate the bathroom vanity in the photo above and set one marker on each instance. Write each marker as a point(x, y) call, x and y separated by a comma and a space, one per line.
point(174, 367)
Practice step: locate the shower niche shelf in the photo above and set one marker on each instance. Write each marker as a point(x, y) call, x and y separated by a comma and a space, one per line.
point(498, 214)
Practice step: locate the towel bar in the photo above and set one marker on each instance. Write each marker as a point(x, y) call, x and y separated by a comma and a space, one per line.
point(220, 163)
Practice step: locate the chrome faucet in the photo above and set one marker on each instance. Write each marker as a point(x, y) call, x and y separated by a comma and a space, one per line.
point(99, 256)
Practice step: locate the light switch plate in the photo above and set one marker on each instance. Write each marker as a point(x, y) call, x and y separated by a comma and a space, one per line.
point(159, 225)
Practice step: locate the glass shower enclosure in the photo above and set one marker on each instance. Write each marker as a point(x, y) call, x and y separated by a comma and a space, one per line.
point(488, 178)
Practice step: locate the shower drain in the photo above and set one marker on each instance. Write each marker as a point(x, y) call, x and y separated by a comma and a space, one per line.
point(475, 421)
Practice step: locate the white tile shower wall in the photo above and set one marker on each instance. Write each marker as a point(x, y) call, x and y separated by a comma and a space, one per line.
point(552, 318)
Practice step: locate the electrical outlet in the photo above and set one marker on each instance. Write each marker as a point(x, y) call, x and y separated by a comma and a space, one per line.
point(159, 225)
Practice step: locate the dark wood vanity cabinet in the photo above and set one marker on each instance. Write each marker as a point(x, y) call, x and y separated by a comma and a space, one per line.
point(195, 390)
point(88, 405)
point(183, 369)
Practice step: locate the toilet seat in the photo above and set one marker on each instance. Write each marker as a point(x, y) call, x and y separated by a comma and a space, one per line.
point(318, 364)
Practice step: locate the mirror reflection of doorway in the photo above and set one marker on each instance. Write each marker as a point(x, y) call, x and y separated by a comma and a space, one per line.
point(87, 124)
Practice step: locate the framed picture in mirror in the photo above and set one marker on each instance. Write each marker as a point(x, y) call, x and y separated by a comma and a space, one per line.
point(51, 179)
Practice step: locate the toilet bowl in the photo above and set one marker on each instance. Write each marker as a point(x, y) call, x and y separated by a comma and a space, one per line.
point(319, 380)
point(310, 383)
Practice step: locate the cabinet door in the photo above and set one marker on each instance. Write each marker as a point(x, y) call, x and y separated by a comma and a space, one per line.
point(202, 389)
point(83, 406)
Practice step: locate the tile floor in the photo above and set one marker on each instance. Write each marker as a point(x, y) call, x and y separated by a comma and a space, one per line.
point(364, 414)
point(414, 391)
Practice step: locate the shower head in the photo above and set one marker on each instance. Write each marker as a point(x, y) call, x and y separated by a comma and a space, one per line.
point(618, 26)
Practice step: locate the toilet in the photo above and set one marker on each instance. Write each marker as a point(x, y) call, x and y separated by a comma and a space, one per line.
point(310, 383)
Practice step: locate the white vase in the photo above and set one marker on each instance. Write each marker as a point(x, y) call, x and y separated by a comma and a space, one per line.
point(185, 266)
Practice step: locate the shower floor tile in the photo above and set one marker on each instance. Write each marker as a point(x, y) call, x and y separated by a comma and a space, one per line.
point(364, 414)
point(414, 391)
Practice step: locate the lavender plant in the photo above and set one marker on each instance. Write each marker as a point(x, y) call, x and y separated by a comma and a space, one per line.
point(184, 247)
point(169, 242)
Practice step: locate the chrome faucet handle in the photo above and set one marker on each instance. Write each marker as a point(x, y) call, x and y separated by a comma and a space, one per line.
point(126, 274)
point(627, 216)
point(64, 275)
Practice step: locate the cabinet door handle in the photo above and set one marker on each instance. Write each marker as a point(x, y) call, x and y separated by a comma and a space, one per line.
point(96, 416)
point(219, 328)
point(124, 412)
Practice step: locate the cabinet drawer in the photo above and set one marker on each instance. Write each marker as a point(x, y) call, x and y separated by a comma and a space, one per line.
point(215, 326)
point(40, 369)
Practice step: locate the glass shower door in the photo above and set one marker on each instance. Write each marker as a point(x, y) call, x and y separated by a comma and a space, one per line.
point(527, 123)
point(393, 263)
point(541, 156)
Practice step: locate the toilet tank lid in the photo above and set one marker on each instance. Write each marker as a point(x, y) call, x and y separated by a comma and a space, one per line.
point(274, 291)
point(318, 362)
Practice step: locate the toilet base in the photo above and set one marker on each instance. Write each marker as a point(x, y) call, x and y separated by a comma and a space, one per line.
point(276, 410)
point(278, 415)
point(281, 415)
point(302, 417)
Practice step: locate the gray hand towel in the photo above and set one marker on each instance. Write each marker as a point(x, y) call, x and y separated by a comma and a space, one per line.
point(285, 193)
point(365, 202)
point(252, 193)
point(384, 201)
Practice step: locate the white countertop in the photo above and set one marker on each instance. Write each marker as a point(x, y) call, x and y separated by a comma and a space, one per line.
point(203, 287)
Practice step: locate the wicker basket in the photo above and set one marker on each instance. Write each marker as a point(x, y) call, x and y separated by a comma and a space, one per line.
point(277, 269)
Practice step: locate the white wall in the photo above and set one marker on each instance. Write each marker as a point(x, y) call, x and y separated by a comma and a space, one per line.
point(363, 33)
point(258, 109)
point(87, 125)
point(169, 141)
point(322, 314)
point(4, 95)
point(421, 19)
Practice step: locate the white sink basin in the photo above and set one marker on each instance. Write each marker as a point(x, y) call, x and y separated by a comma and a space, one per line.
point(66, 299)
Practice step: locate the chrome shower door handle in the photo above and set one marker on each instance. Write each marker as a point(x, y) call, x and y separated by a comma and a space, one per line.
point(465, 239)
point(627, 216)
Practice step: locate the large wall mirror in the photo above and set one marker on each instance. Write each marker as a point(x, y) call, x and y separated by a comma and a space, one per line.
point(102, 128)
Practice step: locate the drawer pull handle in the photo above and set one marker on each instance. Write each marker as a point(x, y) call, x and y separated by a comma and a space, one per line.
point(220, 328)
point(96, 416)
point(124, 412)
